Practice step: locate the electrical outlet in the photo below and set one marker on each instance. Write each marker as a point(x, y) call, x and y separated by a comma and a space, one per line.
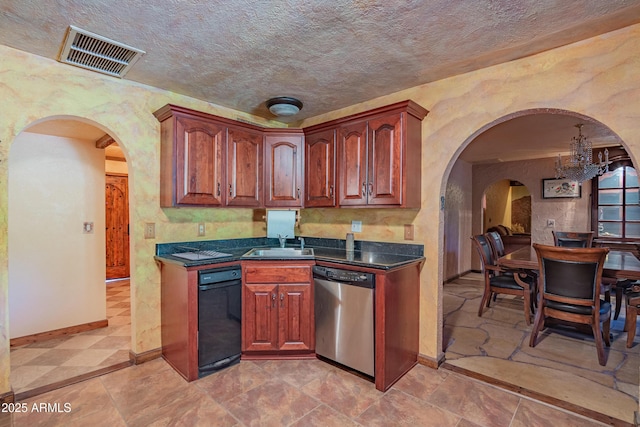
point(150, 230)
point(356, 226)
point(551, 223)
point(201, 229)
point(408, 232)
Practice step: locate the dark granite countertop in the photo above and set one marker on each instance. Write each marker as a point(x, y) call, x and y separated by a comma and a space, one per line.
point(379, 255)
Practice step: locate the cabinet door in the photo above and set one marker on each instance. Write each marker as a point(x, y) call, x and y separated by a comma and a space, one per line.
point(353, 164)
point(199, 162)
point(385, 172)
point(260, 319)
point(283, 170)
point(244, 168)
point(295, 317)
point(320, 159)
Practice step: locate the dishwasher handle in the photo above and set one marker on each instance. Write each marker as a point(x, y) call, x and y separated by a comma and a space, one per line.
point(219, 285)
point(348, 277)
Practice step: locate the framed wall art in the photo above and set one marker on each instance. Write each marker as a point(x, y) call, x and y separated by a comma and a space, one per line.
point(561, 188)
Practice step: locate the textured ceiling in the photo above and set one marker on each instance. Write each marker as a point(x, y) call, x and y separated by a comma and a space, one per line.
point(329, 54)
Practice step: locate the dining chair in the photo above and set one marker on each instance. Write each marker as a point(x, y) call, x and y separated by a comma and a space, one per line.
point(569, 290)
point(496, 243)
point(497, 282)
point(573, 239)
point(631, 316)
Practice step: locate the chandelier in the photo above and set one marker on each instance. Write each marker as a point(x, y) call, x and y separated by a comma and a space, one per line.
point(579, 166)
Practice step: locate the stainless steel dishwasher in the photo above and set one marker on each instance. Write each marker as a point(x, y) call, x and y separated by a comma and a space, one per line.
point(344, 317)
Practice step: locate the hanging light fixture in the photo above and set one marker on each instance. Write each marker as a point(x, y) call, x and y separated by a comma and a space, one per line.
point(580, 166)
point(284, 106)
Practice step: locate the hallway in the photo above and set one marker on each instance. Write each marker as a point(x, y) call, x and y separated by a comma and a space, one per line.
point(40, 366)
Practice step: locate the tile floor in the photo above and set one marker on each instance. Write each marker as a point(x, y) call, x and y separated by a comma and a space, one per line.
point(311, 392)
point(563, 365)
point(286, 393)
point(43, 363)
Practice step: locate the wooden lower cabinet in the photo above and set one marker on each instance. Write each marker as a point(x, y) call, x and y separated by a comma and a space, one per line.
point(397, 323)
point(277, 309)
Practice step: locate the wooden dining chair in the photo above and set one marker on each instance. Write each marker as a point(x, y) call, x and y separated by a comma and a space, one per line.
point(569, 290)
point(497, 282)
point(496, 243)
point(573, 239)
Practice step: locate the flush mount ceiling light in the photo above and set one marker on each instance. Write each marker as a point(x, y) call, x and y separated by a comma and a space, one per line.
point(580, 166)
point(284, 106)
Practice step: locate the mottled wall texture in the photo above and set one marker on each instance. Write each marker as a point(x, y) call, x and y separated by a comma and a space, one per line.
point(597, 78)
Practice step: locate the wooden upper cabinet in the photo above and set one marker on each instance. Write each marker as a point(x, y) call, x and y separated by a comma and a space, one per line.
point(283, 154)
point(192, 152)
point(319, 169)
point(244, 167)
point(369, 159)
point(379, 157)
point(353, 164)
point(384, 174)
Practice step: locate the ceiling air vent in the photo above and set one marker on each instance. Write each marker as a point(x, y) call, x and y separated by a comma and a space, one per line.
point(93, 52)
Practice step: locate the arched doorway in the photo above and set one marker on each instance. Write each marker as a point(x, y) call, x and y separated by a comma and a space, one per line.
point(491, 346)
point(507, 202)
point(57, 293)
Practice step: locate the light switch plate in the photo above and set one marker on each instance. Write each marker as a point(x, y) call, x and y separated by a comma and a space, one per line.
point(87, 228)
point(356, 226)
point(201, 229)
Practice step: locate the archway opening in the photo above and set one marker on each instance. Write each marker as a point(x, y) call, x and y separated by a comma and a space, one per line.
point(521, 147)
point(62, 325)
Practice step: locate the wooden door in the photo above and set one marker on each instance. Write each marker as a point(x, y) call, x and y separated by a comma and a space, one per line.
point(385, 173)
point(353, 164)
point(199, 162)
point(283, 170)
point(320, 159)
point(295, 317)
point(260, 318)
point(244, 168)
point(117, 226)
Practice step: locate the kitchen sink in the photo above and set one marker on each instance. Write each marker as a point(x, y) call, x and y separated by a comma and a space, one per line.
point(280, 253)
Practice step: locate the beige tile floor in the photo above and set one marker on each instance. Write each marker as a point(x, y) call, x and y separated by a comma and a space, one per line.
point(43, 363)
point(286, 393)
point(563, 365)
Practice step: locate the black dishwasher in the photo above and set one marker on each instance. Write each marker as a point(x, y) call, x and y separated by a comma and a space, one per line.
point(219, 314)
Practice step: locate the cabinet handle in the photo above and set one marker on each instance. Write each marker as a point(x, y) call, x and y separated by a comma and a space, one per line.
point(218, 189)
point(281, 300)
point(230, 191)
point(298, 196)
point(370, 189)
point(331, 191)
point(364, 190)
point(273, 300)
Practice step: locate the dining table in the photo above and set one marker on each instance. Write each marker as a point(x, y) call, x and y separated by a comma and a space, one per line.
point(618, 264)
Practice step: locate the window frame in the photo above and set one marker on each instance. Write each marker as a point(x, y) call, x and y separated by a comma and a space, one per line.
point(595, 205)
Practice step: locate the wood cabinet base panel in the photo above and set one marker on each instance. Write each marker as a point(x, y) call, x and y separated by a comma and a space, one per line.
point(278, 356)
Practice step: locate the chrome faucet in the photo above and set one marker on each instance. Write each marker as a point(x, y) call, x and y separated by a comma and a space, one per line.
point(282, 239)
point(301, 242)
